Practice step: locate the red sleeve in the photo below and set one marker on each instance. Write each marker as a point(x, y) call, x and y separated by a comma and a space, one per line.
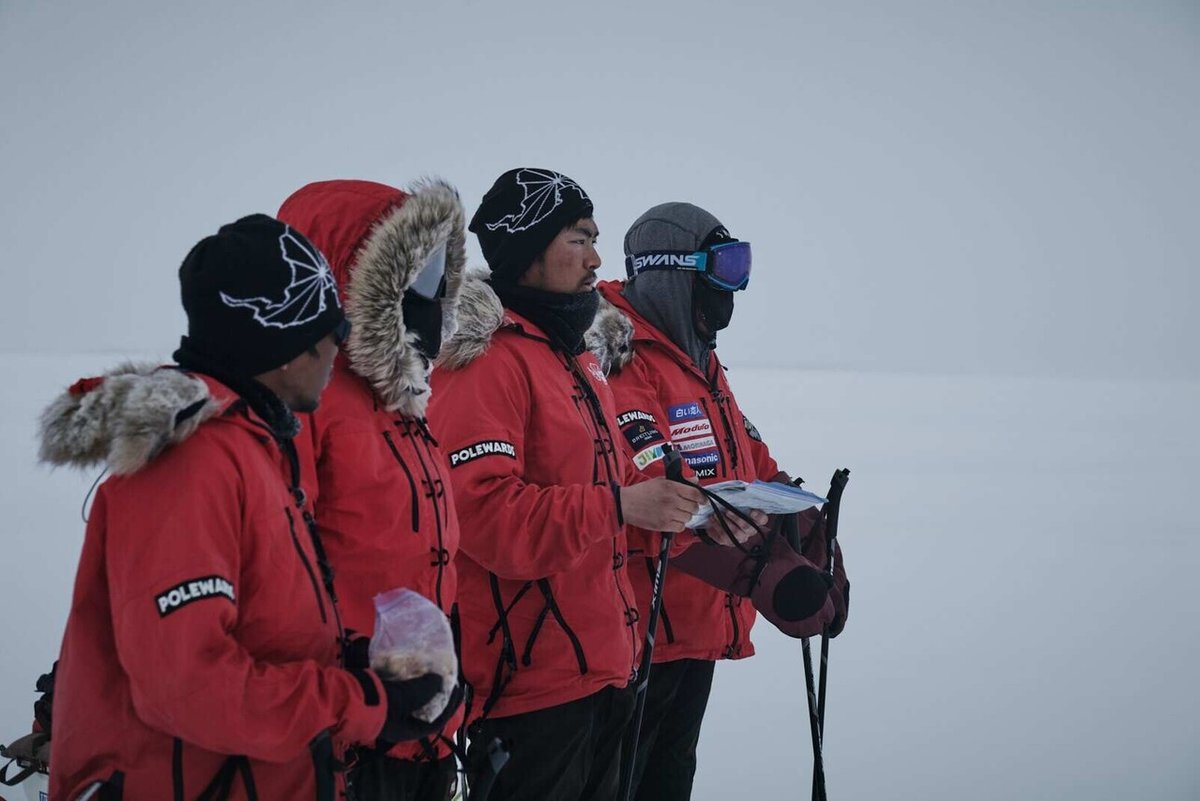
point(765, 467)
point(516, 529)
point(190, 674)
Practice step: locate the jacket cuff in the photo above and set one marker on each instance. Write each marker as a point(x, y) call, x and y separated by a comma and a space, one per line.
point(367, 707)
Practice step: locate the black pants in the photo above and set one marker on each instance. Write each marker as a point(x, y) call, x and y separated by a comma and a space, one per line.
point(570, 752)
point(675, 702)
point(380, 778)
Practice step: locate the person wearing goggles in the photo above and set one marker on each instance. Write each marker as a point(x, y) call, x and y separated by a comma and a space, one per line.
point(656, 337)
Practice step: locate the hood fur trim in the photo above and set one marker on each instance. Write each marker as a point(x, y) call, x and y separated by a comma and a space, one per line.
point(381, 349)
point(126, 419)
point(610, 338)
point(480, 315)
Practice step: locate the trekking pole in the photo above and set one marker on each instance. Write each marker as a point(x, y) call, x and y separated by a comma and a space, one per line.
point(814, 724)
point(674, 472)
point(836, 486)
point(816, 700)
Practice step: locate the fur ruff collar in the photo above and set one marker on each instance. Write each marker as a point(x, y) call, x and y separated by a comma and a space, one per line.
point(610, 338)
point(381, 349)
point(125, 418)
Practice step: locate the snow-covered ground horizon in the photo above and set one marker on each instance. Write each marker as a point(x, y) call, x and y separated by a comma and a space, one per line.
point(1022, 553)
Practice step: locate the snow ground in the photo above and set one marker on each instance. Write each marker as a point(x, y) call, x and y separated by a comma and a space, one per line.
point(1022, 552)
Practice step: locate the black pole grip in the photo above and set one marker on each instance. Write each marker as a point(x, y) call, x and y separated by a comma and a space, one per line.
point(673, 463)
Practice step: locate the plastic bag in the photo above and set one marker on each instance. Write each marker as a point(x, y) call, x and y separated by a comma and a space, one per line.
point(412, 638)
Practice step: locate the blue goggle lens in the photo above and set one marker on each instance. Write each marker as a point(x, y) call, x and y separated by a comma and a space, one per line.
point(728, 266)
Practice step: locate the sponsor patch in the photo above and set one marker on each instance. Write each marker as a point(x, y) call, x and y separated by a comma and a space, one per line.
point(634, 415)
point(701, 458)
point(649, 456)
point(693, 436)
point(751, 431)
point(700, 444)
point(691, 428)
point(684, 411)
point(193, 590)
point(488, 447)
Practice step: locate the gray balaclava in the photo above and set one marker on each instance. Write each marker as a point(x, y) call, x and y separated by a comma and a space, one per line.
point(664, 297)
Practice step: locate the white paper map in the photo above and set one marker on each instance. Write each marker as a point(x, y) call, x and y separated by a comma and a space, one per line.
point(769, 497)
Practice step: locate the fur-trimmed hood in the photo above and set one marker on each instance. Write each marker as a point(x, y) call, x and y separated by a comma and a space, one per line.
point(126, 417)
point(618, 328)
point(610, 338)
point(480, 315)
point(376, 239)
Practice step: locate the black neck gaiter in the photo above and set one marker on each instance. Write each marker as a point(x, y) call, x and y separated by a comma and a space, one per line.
point(265, 403)
point(564, 317)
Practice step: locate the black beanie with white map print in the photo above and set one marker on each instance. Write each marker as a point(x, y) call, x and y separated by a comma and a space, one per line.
point(520, 216)
point(257, 294)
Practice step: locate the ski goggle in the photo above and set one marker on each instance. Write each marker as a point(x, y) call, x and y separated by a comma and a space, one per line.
point(725, 266)
point(430, 283)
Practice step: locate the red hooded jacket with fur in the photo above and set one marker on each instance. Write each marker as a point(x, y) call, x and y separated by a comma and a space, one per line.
point(548, 614)
point(662, 397)
point(200, 639)
point(382, 500)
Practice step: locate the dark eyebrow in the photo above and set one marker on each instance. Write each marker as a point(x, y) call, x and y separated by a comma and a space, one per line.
point(581, 229)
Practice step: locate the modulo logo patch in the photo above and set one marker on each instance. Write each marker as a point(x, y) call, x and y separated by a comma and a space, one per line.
point(193, 590)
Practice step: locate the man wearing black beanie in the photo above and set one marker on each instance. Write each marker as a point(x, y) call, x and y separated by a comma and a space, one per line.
point(549, 628)
point(202, 654)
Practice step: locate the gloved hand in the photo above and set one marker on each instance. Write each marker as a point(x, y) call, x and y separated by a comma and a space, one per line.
point(405, 696)
point(355, 651)
point(814, 549)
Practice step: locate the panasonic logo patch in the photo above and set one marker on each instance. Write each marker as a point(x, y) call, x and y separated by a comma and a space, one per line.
point(491, 447)
point(193, 590)
point(686, 260)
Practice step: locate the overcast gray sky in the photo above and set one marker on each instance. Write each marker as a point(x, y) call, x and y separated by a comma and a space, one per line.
point(957, 186)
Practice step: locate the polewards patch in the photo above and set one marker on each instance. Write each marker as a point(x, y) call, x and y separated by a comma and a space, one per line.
point(192, 590)
point(488, 447)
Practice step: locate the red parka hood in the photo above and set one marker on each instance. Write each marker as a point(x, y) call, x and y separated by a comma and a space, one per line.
point(377, 238)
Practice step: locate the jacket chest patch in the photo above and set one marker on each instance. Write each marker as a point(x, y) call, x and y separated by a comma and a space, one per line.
point(489, 447)
point(640, 430)
point(692, 435)
point(192, 590)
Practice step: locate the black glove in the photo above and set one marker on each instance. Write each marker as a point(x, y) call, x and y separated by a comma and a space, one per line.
point(405, 696)
point(355, 651)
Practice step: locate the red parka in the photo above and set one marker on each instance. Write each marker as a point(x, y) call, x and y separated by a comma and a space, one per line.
point(663, 397)
point(383, 503)
point(201, 641)
point(548, 613)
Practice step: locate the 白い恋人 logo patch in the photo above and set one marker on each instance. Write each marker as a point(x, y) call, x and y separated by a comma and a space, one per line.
point(684, 411)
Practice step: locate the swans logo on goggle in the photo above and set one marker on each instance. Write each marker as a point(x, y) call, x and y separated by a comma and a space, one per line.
point(685, 260)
